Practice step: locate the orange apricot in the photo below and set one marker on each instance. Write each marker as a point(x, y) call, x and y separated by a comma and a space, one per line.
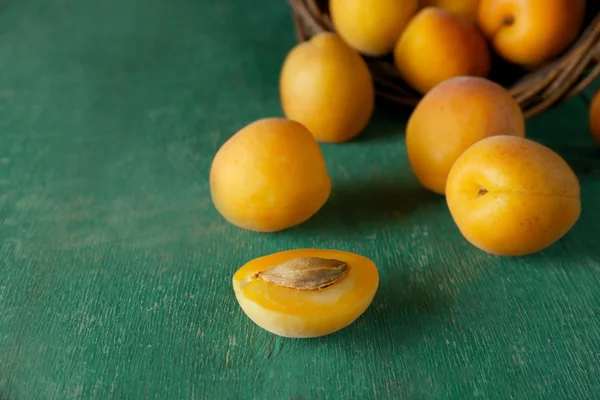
point(512, 196)
point(371, 27)
point(269, 176)
point(530, 32)
point(326, 86)
point(594, 116)
point(437, 45)
point(451, 117)
point(306, 293)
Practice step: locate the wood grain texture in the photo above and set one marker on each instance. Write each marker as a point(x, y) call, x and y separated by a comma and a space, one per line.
point(115, 268)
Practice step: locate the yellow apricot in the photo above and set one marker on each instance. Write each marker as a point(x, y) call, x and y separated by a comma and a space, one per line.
point(327, 87)
point(371, 27)
point(269, 176)
point(451, 117)
point(287, 306)
point(437, 45)
point(512, 196)
point(594, 116)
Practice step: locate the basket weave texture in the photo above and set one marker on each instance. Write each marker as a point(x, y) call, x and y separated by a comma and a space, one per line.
point(536, 91)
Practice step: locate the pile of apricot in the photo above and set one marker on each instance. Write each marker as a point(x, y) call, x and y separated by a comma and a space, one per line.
point(465, 140)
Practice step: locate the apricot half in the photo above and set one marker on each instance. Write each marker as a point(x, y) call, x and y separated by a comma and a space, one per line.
point(512, 196)
point(306, 293)
point(326, 86)
point(451, 117)
point(269, 176)
point(437, 45)
point(371, 27)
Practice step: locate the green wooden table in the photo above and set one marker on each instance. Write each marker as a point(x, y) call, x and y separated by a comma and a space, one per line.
point(115, 268)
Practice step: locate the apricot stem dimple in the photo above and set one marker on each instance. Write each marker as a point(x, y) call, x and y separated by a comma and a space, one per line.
point(482, 192)
point(508, 20)
point(306, 273)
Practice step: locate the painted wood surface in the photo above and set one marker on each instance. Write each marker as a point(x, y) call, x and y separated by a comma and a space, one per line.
point(115, 268)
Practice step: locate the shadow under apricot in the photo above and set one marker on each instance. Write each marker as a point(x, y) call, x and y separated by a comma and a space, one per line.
point(402, 310)
point(370, 204)
point(388, 120)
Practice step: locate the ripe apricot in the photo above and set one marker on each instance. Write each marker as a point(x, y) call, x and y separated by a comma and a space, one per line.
point(512, 196)
point(326, 86)
point(594, 116)
point(437, 45)
point(463, 8)
point(451, 117)
point(269, 176)
point(529, 32)
point(371, 27)
point(313, 292)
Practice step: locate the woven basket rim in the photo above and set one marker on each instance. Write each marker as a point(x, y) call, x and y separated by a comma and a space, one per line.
point(536, 91)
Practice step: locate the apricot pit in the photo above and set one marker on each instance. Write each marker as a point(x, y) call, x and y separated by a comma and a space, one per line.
point(306, 293)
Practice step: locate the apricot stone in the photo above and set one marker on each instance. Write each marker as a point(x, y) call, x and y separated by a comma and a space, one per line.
point(530, 32)
point(437, 45)
point(512, 196)
point(294, 313)
point(327, 87)
point(451, 117)
point(594, 116)
point(269, 176)
point(371, 27)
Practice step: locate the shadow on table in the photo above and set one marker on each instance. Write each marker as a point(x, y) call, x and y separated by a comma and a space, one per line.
point(584, 160)
point(404, 309)
point(373, 203)
point(388, 120)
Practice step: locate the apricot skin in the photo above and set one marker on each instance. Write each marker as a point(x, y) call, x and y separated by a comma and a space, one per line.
point(511, 196)
point(529, 32)
point(463, 8)
point(269, 176)
point(450, 118)
point(326, 86)
point(594, 116)
point(437, 45)
point(371, 27)
point(304, 314)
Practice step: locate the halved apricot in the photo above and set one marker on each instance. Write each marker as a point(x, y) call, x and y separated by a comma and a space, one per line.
point(306, 293)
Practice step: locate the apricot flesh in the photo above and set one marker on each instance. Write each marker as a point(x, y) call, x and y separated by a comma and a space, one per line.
point(437, 45)
point(530, 32)
point(594, 116)
point(269, 176)
point(326, 86)
point(371, 27)
point(512, 196)
point(451, 117)
point(296, 313)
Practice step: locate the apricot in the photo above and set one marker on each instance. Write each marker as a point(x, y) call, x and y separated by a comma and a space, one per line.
point(306, 293)
point(594, 116)
point(451, 117)
point(437, 45)
point(327, 86)
point(530, 32)
point(269, 176)
point(512, 196)
point(371, 27)
point(463, 8)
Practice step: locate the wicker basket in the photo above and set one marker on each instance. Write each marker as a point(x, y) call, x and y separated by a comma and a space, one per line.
point(535, 91)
